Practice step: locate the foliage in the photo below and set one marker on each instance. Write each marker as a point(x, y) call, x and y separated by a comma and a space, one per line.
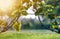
point(17, 26)
point(16, 13)
point(49, 8)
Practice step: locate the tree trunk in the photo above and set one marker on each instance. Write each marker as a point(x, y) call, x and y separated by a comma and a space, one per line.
point(39, 19)
point(11, 23)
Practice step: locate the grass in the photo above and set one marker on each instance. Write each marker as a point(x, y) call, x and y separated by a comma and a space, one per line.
point(15, 35)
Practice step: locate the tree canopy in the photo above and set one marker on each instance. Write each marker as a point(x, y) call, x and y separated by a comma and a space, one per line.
point(20, 7)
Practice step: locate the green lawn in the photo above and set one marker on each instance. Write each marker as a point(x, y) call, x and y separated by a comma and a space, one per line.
point(15, 35)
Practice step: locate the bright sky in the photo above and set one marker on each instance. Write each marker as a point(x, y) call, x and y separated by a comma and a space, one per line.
point(30, 13)
point(5, 4)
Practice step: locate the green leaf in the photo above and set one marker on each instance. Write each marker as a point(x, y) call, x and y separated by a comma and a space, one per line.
point(24, 13)
point(17, 26)
point(38, 11)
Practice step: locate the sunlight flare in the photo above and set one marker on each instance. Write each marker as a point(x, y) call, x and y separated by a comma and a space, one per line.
point(6, 4)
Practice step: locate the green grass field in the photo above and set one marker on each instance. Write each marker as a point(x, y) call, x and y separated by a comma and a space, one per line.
point(16, 35)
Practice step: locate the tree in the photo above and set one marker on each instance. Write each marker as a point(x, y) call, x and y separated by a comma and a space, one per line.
point(15, 15)
point(42, 7)
point(20, 10)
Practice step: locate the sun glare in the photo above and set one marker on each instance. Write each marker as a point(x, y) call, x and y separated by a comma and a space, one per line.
point(6, 4)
